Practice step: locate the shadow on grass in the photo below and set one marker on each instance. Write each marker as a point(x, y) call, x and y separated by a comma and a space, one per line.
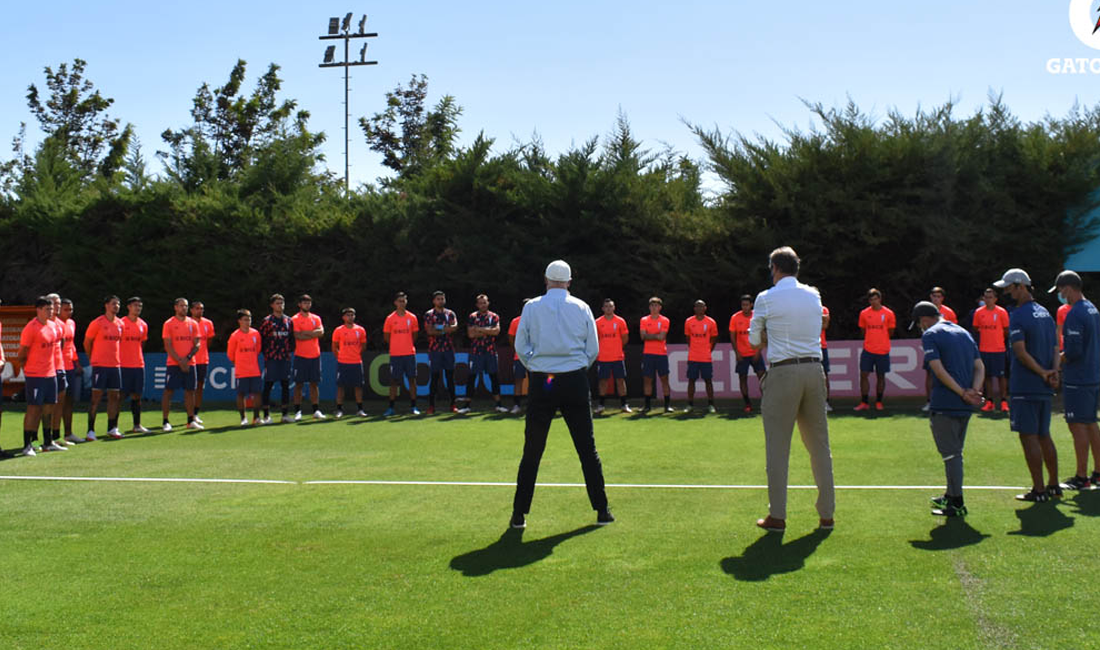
point(511, 552)
point(953, 533)
point(769, 556)
point(1087, 503)
point(1041, 520)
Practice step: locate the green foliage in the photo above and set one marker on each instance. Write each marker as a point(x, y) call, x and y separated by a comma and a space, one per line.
point(410, 137)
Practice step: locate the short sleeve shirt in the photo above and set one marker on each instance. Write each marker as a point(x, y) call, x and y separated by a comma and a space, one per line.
point(308, 348)
point(244, 351)
point(436, 321)
point(611, 337)
point(700, 332)
point(948, 314)
point(277, 335)
point(955, 349)
point(991, 325)
point(513, 327)
point(352, 340)
point(1081, 336)
point(206, 332)
point(181, 335)
point(877, 326)
point(58, 344)
point(401, 329)
point(483, 344)
point(70, 344)
point(652, 326)
point(106, 337)
point(824, 313)
point(739, 333)
point(1032, 324)
point(39, 339)
point(1060, 317)
point(134, 334)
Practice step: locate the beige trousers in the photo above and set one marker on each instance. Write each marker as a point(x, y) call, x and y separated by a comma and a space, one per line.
point(796, 393)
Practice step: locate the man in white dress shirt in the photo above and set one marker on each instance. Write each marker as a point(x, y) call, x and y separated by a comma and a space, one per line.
point(557, 342)
point(787, 319)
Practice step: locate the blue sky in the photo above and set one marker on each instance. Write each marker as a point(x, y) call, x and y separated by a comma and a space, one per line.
point(562, 69)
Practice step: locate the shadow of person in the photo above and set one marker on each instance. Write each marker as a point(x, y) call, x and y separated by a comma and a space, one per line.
point(768, 556)
point(1087, 503)
point(1040, 520)
point(953, 533)
point(511, 552)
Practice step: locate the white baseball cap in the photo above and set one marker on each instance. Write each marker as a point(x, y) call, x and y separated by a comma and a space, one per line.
point(558, 271)
point(1013, 276)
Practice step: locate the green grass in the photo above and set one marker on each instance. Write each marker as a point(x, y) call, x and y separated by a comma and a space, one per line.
point(175, 565)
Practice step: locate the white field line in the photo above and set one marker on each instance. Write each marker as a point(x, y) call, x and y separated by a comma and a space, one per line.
point(127, 479)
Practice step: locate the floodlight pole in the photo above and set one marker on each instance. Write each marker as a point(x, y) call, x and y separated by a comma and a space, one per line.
point(343, 31)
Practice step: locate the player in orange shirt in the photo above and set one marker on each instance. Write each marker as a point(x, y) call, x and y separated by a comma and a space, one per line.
point(746, 355)
point(135, 332)
point(519, 371)
point(400, 333)
point(1059, 320)
point(308, 332)
point(654, 330)
point(610, 366)
point(36, 357)
point(348, 342)
point(825, 355)
point(936, 297)
point(991, 324)
point(877, 322)
point(243, 350)
point(702, 334)
point(74, 375)
point(181, 341)
point(51, 414)
point(202, 357)
point(102, 341)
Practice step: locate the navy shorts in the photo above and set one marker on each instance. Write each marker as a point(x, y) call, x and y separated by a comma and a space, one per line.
point(200, 374)
point(41, 390)
point(307, 371)
point(994, 364)
point(349, 375)
point(609, 369)
point(825, 360)
point(249, 385)
point(483, 363)
point(877, 363)
point(75, 380)
point(441, 360)
point(1030, 416)
point(62, 382)
point(179, 378)
point(654, 365)
point(105, 378)
point(403, 366)
point(756, 362)
point(133, 381)
point(1081, 403)
point(519, 371)
point(276, 370)
point(700, 370)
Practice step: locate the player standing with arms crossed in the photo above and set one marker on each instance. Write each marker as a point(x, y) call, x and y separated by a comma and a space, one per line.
point(702, 334)
point(308, 332)
point(399, 332)
point(654, 331)
point(180, 334)
point(102, 341)
point(135, 332)
point(610, 365)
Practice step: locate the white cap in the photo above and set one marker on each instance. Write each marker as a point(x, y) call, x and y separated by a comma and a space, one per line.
point(558, 271)
point(1013, 276)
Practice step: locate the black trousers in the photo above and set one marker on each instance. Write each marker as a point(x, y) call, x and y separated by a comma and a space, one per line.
point(571, 393)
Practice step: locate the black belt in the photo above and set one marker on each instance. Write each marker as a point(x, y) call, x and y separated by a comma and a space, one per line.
point(788, 362)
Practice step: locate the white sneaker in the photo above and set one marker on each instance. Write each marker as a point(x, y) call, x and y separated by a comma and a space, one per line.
point(29, 451)
point(627, 409)
point(463, 411)
point(199, 420)
point(72, 439)
point(139, 429)
point(926, 408)
point(287, 419)
point(114, 433)
point(317, 415)
point(166, 428)
point(669, 409)
point(90, 437)
point(266, 420)
point(711, 409)
point(244, 422)
point(195, 425)
point(598, 409)
point(67, 443)
point(298, 416)
point(257, 422)
point(516, 410)
point(361, 413)
point(338, 415)
point(53, 446)
point(502, 408)
point(828, 407)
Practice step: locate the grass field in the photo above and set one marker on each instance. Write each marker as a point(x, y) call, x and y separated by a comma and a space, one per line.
point(297, 565)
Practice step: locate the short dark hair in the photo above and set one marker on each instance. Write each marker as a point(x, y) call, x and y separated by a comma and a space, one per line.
point(274, 297)
point(66, 301)
point(608, 300)
point(434, 294)
point(657, 300)
point(480, 296)
point(179, 300)
point(989, 289)
point(133, 299)
point(304, 297)
point(785, 259)
point(241, 313)
point(745, 297)
point(110, 298)
point(347, 310)
point(937, 290)
point(699, 302)
point(400, 294)
point(197, 302)
point(872, 292)
point(42, 301)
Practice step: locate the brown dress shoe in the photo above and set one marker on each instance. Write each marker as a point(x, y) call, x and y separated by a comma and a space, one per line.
point(771, 524)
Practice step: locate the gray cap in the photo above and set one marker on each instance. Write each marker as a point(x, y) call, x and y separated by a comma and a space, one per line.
point(921, 310)
point(1013, 276)
point(1066, 278)
point(559, 271)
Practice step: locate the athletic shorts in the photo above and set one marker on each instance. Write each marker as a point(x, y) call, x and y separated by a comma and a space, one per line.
point(62, 382)
point(200, 374)
point(654, 365)
point(76, 382)
point(307, 371)
point(349, 375)
point(483, 363)
point(106, 378)
point(994, 364)
point(441, 360)
point(250, 385)
point(276, 370)
point(755, 362)
point(700, 370)
point(1081, 403)
point(519, 371)
point(403, 366)
point(179, 378)
point(876, 363)
point(41, 390)
point(609, 369)
point(1031, 416)
point(133, 381)
point(825, 360)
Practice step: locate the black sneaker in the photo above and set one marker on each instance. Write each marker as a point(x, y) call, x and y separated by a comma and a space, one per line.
point(604, 517)
point(940, 501)
point(518, 520)
point(1036, 497)
point(1054, 491)
point(1095, 479)
point(1075, 483)
point(949, 510)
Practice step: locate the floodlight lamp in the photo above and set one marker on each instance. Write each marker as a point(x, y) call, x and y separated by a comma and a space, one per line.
point(363, 24)
point(330, 53)
point(333, 26)
point(363, 53)
point(347, 23)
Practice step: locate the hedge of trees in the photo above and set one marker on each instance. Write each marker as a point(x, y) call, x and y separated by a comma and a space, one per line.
point(243, 207)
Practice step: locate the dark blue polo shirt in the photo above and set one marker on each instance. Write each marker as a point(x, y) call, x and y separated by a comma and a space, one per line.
point(1032, 324)
point(955, 349)
point(1081, 337)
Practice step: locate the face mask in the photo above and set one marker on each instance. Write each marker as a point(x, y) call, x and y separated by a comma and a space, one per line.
point(1062, 299)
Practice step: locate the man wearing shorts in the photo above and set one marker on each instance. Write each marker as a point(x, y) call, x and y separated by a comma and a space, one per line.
point(439, 324)
point(74, 375)
point(243, 350)
point(1080, 377)
point(936, 296)
point(348, 342)
point(746, 355)
point(482, 328)
point(202, 358)
point(308, 332)
point(180, 334)
point(277, 333)
point(825, 355)
point(702, 334)
point(519, 371)
point(991, 324)
point(37, 357)
point(102, 343)
point(877, 322)
point(654, 331)
point(135, 332)
point(51, 415)
point(610, 364)
point(400, 331)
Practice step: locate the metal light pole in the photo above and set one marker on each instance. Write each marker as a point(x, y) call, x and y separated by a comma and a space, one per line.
point(338, 29)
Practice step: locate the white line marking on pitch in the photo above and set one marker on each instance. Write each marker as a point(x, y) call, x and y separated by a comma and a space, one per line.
point(143, 480)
